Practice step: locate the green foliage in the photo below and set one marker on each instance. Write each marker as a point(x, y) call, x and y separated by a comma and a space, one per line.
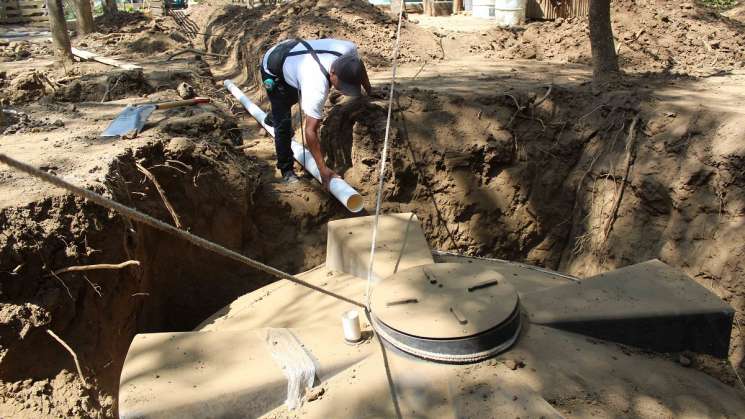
point(719, 4)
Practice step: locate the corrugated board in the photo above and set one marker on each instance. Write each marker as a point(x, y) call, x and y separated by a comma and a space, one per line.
point(552, 9)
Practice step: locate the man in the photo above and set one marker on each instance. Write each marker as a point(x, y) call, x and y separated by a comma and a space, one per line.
point(298, 70)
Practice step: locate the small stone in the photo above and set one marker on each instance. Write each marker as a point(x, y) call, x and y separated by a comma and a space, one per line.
point(511, 364)
point(185, 91)
point(315, 393)
point(684, 361)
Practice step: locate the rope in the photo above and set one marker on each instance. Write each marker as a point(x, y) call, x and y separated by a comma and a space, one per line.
point(157, 224)
point(383, 157)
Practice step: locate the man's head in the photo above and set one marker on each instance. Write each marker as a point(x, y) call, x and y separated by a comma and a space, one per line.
point(347, 73)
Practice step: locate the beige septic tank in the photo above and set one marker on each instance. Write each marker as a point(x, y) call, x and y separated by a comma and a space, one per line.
point(496, 339)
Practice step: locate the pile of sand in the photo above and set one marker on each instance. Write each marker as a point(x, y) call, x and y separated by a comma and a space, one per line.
point(653, 36)
point(246, 34)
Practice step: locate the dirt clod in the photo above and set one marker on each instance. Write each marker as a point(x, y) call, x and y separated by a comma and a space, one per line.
point(315, 393)
point(185, 91)
point(684, 361)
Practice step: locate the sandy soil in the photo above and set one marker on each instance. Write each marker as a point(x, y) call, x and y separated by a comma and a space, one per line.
point(492, 162)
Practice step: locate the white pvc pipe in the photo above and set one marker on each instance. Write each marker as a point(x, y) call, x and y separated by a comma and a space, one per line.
point(350, 322)
point(337, 186)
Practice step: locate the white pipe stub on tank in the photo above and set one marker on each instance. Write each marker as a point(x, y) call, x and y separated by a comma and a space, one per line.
point(337, 186)
point(350, 322)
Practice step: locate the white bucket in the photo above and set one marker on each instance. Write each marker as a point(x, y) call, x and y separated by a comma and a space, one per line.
point(509, 12)
point(482, 8)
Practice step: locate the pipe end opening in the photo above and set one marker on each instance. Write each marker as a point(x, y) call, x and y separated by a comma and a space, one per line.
point(355, 203)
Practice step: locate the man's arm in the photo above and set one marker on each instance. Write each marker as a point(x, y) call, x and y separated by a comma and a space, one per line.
point(314, 146)
point(366, 80)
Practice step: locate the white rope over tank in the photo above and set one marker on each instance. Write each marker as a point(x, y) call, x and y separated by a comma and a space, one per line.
point(383, 157)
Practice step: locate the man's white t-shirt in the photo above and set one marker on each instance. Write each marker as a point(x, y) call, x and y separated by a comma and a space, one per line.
point(302, 72)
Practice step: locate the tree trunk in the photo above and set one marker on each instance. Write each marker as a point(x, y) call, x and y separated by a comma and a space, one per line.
point(429, 7)
point(457, 6)
point(604, 58)
point(109, 7)
point(58, 27)
point(85, 16)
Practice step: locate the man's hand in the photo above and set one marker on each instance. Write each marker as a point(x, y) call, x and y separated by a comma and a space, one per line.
point(326, 176)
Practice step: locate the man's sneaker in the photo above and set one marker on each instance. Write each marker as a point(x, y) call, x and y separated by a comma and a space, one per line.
point(268, 121)
point(289, 178)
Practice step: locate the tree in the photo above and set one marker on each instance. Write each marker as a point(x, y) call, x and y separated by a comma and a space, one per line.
point(109, 7)
point(85, 16)
point(457, 6)
point(58, 27)
point(604, 58)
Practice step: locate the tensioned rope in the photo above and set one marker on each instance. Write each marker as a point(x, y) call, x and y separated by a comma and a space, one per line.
point(152, 222)
point(383, 158)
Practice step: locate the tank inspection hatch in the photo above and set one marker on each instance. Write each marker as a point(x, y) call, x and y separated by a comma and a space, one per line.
point(447, 312)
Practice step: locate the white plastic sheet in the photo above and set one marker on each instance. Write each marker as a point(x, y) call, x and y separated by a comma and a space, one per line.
point(296, 364)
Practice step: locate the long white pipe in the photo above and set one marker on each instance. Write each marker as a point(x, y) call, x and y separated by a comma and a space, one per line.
point(337, 186)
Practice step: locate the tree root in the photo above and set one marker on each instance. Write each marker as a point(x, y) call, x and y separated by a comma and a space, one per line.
point(630, 156)
point(74, 356)
point(162, 194)
point(81, 268)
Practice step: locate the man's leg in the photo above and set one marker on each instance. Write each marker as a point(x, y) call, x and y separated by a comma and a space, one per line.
point(282, 98)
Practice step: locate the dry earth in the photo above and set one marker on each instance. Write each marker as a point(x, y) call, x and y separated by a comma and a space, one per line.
point(517, 159)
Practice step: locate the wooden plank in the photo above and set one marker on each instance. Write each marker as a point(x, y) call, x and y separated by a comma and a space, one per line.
point(26, 19)
point(82, 54)
point(117, 63)
point(87, 55)
point(25, 6)
point(32, 12)
point(23, 3)
point(546, 9)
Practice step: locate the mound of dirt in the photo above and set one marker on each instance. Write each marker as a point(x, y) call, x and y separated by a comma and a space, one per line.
point(120, 22)
point(196, 123)
point(21, 50)
point(14, 122)
point(61, 396)
point(139, 34)
point(23, 87)
point(246, 34)
point(650, 37)
point(104, 87)
point(148, 44)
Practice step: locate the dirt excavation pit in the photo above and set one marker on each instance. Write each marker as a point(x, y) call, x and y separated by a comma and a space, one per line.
point(546, 172)
point(496, 194)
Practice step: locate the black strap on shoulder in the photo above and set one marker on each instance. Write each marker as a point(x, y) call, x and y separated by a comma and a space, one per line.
point(279, 55)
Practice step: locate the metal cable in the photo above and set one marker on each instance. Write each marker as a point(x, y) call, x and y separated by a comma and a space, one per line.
point(157, 224)
point(383, 157)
